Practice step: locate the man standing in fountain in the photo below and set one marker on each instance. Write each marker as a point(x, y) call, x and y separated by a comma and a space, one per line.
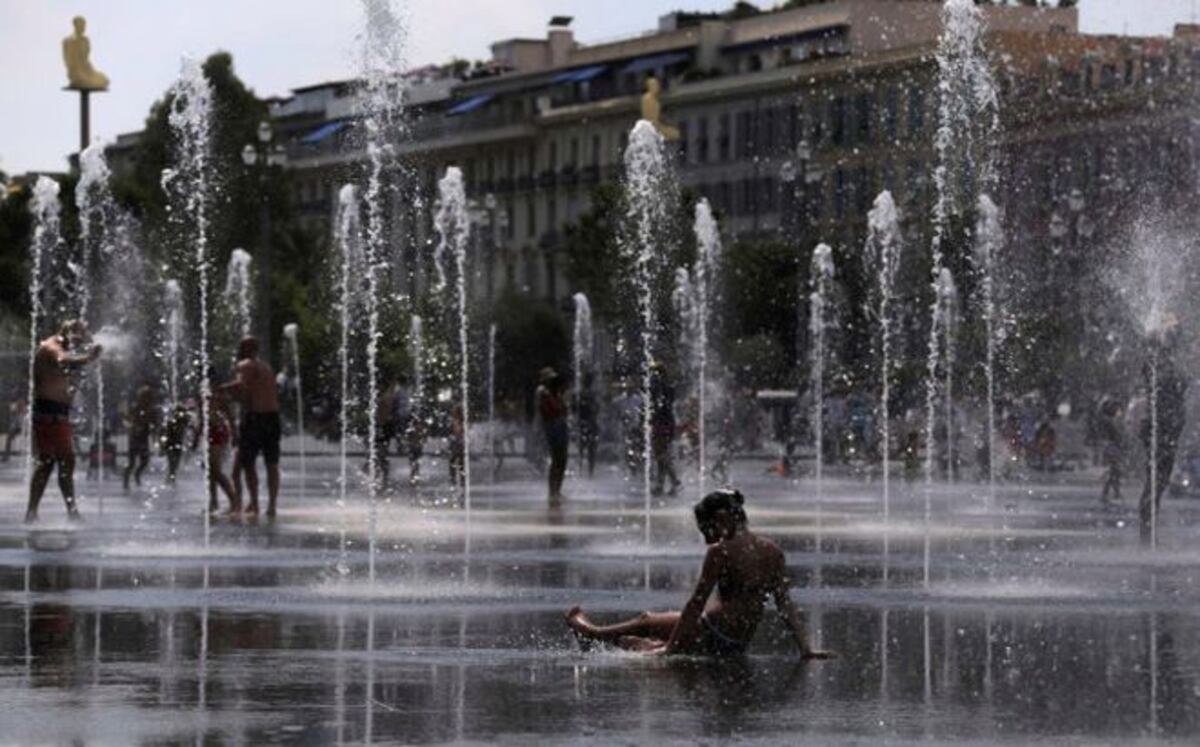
point(255, 388)
point(553, 410)
point(56, 358)
point(1168, 388)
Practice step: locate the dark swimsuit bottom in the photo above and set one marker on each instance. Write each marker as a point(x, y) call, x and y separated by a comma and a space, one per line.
point(717, 643)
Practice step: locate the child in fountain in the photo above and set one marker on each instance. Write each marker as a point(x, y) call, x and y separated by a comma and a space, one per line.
point(220, 436)
point(175, 436)
point(140, 422)
point(743, 568)
point(55, 360)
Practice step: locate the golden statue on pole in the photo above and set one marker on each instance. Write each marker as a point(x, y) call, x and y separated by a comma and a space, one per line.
point(652, 110)
point(77, 51)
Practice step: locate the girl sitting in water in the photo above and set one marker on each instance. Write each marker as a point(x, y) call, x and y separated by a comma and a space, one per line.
point(744, 569)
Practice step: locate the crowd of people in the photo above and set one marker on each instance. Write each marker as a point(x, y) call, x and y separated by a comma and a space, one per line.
point(177, 426)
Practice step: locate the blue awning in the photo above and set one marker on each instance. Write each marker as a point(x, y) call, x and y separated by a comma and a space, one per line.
point(323, 132)
point(578, 75)
point(471, 104)
point(642, 64)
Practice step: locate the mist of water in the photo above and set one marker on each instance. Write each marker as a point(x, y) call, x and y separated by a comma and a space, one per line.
point(708, 259)
point(821, 279)
point(582, 349)
point(989, 240)
point(347, 237)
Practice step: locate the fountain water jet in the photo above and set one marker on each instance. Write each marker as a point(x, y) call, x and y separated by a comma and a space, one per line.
point(190, 119)
point(820, 277)
point(47, 240)
point(647, 185)
point(291, 333)
point(491, 389)
point(708, 248)
point(173, 320)
point(582, 350)
point(989, 239)
point(95, 204)
point(238, 290)
point(347, 233)
point(882, 256)
point(453, 226)
point(381, 104)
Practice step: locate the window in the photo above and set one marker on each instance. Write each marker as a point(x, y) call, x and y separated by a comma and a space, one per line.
point(595, 150)
point(723, 137)
point(891, 106)
point(749, 198)
point(574, 153)
point(745, 134)
point(530, 218)
point(767, 195)
point(683, 141)
point(864, 114)
point(916, 110)
point(837, 120)
point(552, 165)
point(702, 140)
point(839, 194)
point(551, 215)
point(510, 228)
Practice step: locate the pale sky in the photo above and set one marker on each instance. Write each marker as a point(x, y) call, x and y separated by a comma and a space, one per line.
point(281, 44)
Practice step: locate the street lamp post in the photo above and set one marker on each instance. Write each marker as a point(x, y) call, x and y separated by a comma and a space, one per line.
point(262, 155)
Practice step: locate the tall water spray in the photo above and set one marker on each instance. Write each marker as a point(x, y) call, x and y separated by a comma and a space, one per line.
point(190, 119)
point(347, 235)
point(173, 321)
point(47, 240)
point(989, 240)
point(453, 226)
point(647, 185)
point(947, 293)
point(968, 124)
point(708, 248)
point(381, 105)
point(94, 201)
point(291, 332)
point(582, 349)
point(882, 256)
point(821, 278)
point(239, 290)
point(491, 388)
point(416, 351)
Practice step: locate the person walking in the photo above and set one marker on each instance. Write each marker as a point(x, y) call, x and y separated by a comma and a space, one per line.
point(553, 411)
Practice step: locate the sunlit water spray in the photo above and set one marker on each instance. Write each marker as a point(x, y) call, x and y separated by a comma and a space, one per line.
point(821, 279)
point(291, 332)
point(347, 236)
point(190, 119)
point(453, 226)
point(47, 240)
point(646, 179)
point(582, 348)
point(882, 257)
point(239, 292)
point(381, 106)
point(708, 259)
point(989, 240)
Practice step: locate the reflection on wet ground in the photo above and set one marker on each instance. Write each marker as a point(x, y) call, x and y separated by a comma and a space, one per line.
point(1043, 621)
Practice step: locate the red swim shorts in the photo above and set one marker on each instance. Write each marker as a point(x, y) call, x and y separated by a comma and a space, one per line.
point(52, 437)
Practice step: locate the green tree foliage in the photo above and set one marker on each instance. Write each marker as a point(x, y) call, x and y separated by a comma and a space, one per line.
point(530, 335)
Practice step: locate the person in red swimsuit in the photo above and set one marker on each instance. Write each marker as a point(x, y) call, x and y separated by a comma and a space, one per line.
point(54, 361)
point(220, 436)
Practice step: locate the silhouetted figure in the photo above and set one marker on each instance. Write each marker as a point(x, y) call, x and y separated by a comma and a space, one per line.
point(553, 411)
point(1110, 438)
point(141, 423)
point(742, 568)
point(255, 387)
point(662, 428)
point(175, 437)
point(16, 419)
point(220, 437)
point(1167, 389)
point(589, 430)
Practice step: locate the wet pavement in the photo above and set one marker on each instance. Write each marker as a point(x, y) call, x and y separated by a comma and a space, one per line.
point(1043, 620)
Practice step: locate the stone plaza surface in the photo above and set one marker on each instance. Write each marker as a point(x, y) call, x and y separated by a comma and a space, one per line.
point(1044, 621)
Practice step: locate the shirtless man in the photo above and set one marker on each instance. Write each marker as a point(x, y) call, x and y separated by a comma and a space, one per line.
point(742, 567)
point(255, 388)
point(57, 357)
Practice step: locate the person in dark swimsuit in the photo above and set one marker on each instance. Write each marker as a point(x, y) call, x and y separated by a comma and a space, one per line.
point(141, 423)
point(742, 567)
